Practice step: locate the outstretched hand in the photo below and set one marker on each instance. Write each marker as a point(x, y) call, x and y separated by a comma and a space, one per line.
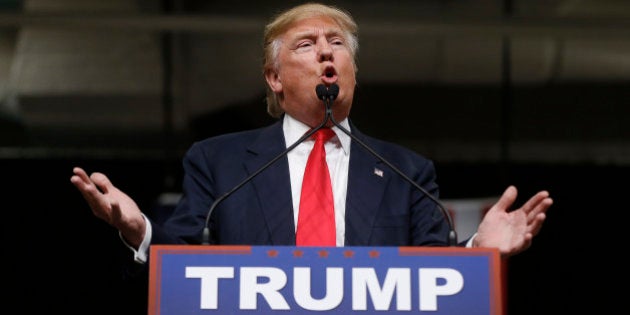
point(110, 204)
point(512, 231)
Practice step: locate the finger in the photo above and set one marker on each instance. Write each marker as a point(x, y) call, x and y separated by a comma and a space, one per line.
point(102, 182)
point(536, 224)
point(540, 207)
point(534, 201)
point(80, 172)
point(85, 186)
point(80, 177)
point(536, 218)
point(507, 199)
point(534, 205)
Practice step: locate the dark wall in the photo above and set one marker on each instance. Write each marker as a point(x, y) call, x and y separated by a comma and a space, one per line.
point(59, 257)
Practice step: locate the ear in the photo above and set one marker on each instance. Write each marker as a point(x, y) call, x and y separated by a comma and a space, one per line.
point(273, 80)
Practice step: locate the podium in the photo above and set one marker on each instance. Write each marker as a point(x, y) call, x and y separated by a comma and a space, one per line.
point(195, 279)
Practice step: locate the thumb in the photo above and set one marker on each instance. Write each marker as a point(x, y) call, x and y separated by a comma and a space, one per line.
point(507, 199)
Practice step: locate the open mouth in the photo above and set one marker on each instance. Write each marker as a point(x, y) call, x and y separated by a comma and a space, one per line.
point(329, 75)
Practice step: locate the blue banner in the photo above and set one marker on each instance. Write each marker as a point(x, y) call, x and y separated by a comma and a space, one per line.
point(324, 280)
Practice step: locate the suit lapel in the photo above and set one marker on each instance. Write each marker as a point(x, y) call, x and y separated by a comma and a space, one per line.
point(272, 186)
point(367, 179)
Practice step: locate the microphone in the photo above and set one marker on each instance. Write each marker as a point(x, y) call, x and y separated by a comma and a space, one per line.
point(333, 91)
point(328, 96)
point(327, 93)
point(322, 92)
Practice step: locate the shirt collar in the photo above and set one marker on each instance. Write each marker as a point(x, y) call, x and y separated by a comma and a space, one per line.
point(294, 129)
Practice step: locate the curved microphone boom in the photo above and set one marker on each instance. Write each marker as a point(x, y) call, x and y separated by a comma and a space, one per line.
point(330, 94)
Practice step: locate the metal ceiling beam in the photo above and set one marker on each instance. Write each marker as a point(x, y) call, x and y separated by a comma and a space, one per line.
point(454, 26)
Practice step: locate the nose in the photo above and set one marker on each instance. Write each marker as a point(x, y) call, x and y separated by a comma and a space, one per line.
point(325, 51)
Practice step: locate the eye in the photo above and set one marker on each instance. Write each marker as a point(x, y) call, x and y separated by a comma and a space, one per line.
point(336, 41)
point(304, 44)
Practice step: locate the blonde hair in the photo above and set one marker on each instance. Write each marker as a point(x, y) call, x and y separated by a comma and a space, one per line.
point(281, 23)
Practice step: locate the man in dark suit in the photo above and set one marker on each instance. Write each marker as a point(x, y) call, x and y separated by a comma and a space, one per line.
point(303, 47)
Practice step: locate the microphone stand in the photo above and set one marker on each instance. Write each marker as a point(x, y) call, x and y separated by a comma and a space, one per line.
point(328, 95)
point(328, 99)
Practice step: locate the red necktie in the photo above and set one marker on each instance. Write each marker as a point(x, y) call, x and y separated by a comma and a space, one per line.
point(316, 220)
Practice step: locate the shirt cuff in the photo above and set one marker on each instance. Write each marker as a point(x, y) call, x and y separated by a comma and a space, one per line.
point(469, 244)
point(140, 255)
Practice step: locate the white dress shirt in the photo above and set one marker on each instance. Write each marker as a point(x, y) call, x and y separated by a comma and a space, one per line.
point(338, 159)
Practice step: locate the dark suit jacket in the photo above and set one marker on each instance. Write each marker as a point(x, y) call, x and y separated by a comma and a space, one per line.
point(382, 209)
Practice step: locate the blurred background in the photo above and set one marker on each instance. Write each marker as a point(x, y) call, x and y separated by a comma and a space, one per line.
point(533, 93)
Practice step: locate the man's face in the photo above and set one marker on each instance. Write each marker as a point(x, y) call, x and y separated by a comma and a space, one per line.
point(313, 51)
